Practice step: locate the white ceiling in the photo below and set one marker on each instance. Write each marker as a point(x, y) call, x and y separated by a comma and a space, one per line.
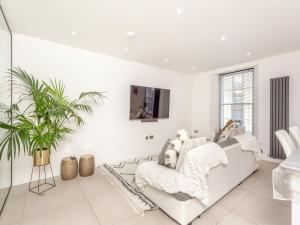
point(191, 39)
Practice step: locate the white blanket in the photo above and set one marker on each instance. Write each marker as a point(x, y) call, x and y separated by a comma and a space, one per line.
point(191, 179)
point(250, 143)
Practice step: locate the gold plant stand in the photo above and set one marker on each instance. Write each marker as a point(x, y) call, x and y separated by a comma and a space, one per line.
point(42, 182)
point(41, 159)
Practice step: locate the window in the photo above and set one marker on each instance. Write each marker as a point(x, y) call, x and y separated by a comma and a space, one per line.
point(236, 92)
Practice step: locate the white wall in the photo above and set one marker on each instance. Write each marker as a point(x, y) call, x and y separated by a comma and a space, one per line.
point(205, 94)
point(109, 134)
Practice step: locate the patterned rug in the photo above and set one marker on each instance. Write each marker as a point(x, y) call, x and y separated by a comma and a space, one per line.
point(122, 177)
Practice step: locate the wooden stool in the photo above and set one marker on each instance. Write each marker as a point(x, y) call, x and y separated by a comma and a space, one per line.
point(86, 165)
point(69, 168)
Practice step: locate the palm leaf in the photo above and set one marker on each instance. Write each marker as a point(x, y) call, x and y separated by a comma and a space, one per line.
point(41, 115)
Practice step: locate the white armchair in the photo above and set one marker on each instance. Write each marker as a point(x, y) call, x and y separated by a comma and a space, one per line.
point(295, 135)
point(286, 142)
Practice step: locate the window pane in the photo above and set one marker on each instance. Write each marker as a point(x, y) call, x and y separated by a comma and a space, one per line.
point(227, 83)
point(237, 112)
point(227, 111)
point(248, 112)
point(248, 95)
point(227, 97)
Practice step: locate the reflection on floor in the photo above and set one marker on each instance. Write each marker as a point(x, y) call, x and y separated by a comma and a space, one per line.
point(93, 201)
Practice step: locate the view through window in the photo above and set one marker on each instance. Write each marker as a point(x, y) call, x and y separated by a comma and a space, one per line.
point(236, 93)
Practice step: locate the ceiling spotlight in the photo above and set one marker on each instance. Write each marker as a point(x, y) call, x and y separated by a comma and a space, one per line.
point(223, 38)
point(166, 60)
point(194, 68)
point(126, 49)
point(179, 11)
point(248, 53)
point(73, 33)
point(131, 34)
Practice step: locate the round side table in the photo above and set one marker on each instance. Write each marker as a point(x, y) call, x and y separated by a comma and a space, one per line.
point(86, 165)
point(69, 168)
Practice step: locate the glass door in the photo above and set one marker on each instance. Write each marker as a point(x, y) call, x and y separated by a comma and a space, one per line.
point(5, 102)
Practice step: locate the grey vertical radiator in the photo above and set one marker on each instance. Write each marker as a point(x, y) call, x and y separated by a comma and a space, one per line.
point(279, 113)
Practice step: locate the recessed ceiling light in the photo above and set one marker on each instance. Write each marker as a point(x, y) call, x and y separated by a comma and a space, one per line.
point(194, 68)
point(131, 34)
point(73, 33)
point(248, 53)
point(166, 60)
point(126, 49)
point(179, 11)
point(223, 38)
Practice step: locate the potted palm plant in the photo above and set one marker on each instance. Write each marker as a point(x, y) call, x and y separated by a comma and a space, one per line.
point(42, 116)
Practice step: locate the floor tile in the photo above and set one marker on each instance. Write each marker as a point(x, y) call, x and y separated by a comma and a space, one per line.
point(64, 192)
point(150, 218)
point(14, 208)
point(95, 184)
point(234, 197)
point(253, 180)
point(110, 207)
point(265, 188)
point(77, 212)
point(263, 211)
point(267, 167)
point(132, 220)
point(158, 217)
point(234, 219)
point(212, 216)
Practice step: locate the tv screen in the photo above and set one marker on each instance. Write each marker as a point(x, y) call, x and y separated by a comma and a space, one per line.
point(149, 103)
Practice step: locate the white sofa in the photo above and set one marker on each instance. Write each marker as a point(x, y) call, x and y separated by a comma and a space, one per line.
point(220, 181)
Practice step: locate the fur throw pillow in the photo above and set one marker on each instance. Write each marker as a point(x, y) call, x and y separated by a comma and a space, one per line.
point(183, 135)
point(177, 145)
point(171, 157)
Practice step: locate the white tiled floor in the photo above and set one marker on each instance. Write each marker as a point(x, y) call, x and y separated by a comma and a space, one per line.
point(93, 201)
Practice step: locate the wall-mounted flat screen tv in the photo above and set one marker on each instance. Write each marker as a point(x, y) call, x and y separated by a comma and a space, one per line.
point(149, 103)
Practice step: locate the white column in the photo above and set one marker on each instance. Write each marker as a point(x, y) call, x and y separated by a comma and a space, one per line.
point(295, 213)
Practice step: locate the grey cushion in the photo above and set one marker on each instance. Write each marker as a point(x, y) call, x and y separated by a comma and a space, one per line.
point(161, 156)
point(228, 142)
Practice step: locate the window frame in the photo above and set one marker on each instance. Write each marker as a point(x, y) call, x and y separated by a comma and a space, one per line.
point(231, 73)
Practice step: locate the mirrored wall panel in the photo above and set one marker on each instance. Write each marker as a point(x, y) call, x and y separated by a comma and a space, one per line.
point(5, 102)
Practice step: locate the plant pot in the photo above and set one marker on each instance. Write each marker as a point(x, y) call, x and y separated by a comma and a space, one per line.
point(41, 158)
